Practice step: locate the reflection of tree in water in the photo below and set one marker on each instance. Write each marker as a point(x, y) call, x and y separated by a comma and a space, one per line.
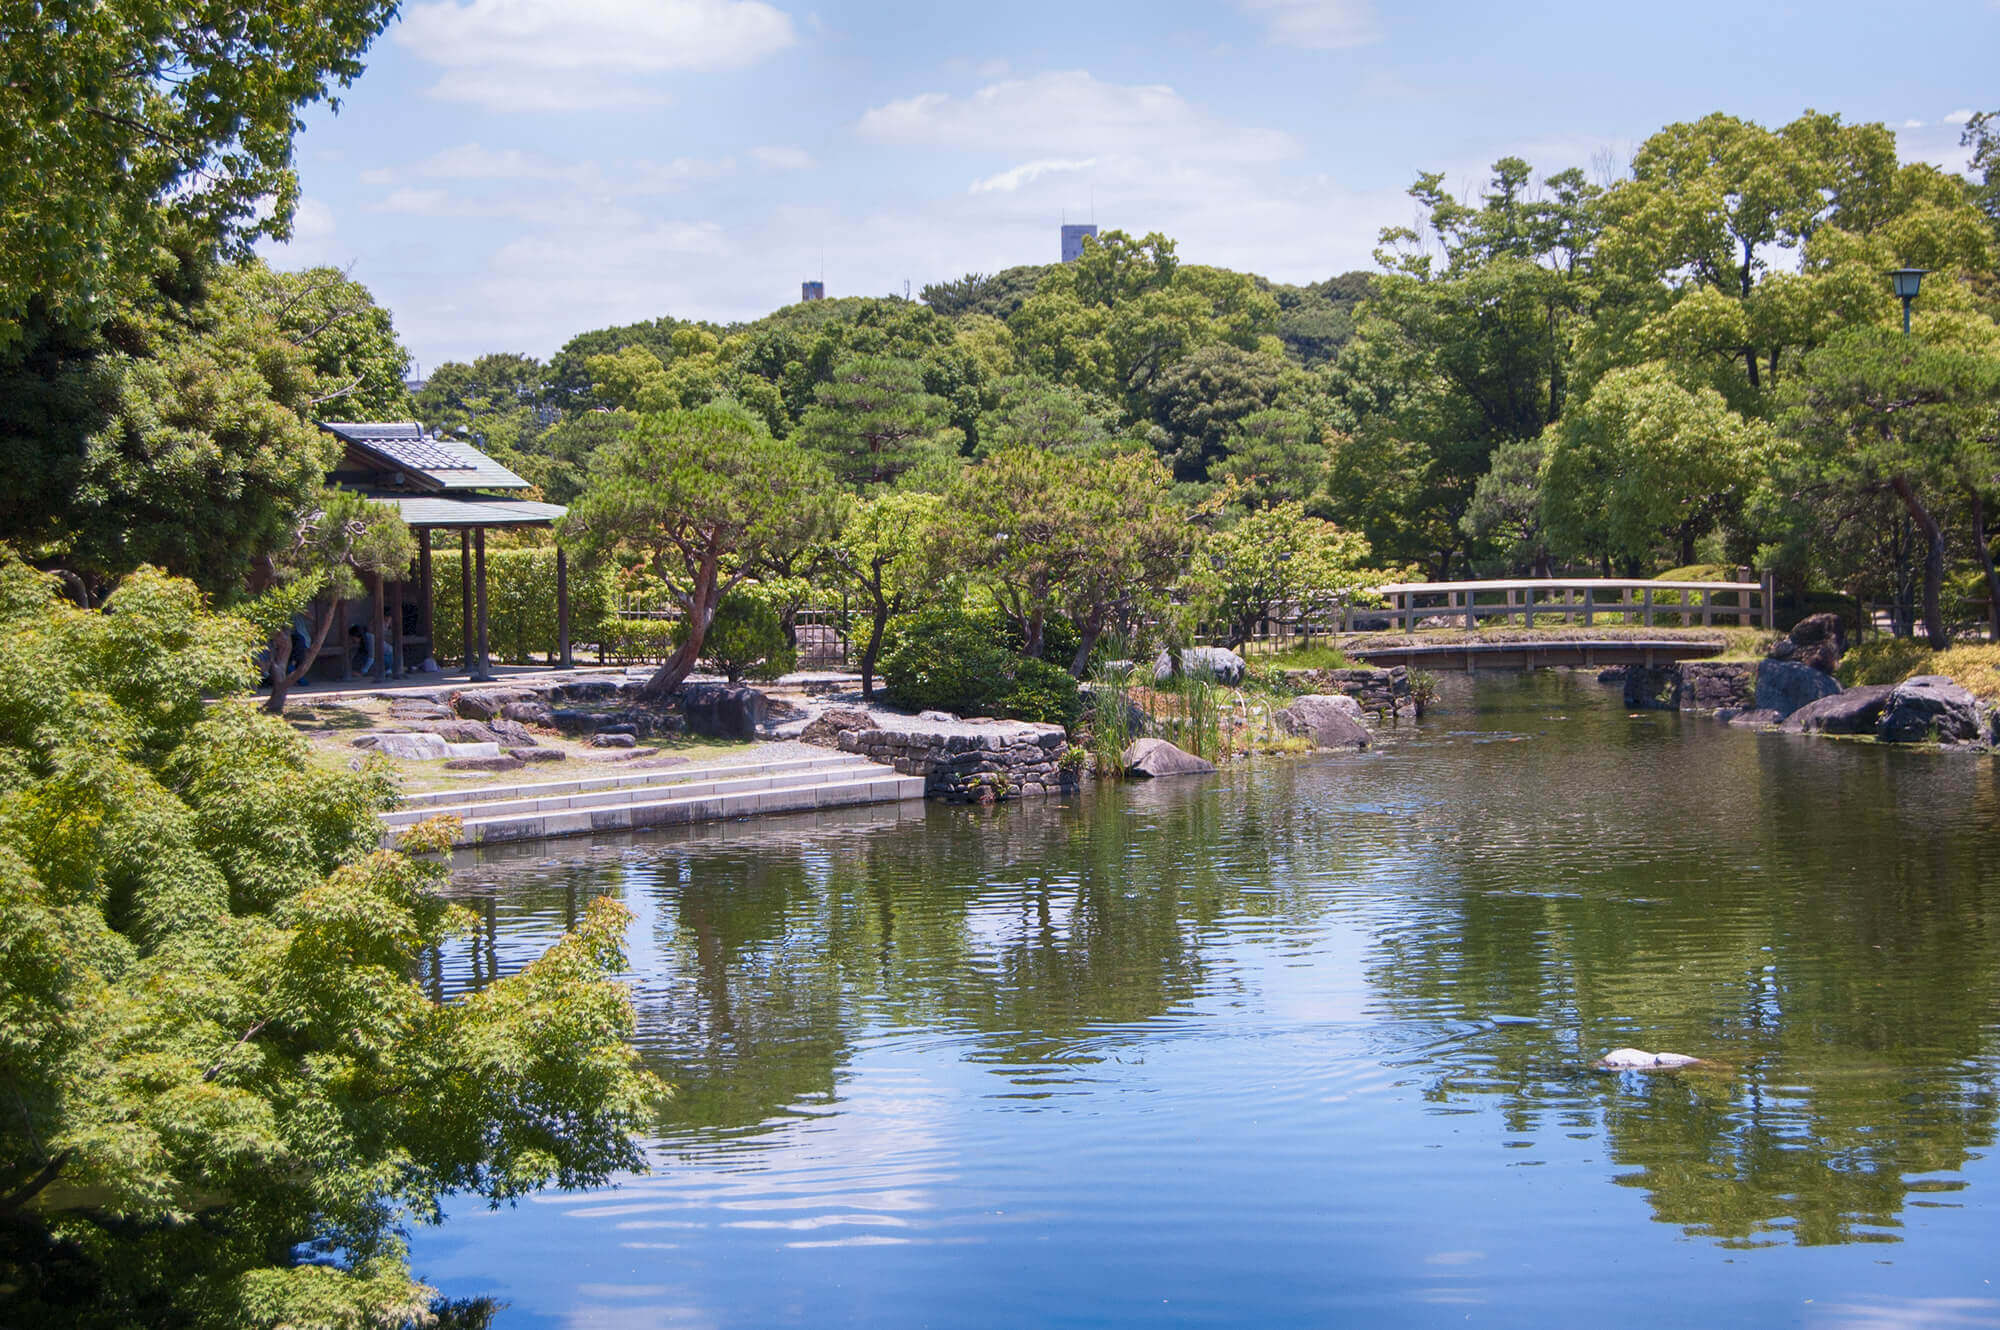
point(1019, 929)
point(1844, 990)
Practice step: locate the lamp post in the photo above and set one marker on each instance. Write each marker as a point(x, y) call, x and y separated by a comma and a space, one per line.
point(1906, 281)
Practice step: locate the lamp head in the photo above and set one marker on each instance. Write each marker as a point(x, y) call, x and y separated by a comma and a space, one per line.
point(1906, 281)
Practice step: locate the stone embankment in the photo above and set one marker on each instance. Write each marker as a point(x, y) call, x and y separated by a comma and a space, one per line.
point(1381, 692)
point(961, 761)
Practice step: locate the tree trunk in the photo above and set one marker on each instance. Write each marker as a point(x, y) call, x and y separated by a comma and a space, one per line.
point(283, 674)
point(1986, 562)
point(878, 623)
point(701, 609)
point(1687, 545)
point(1933, 561)
point(1081, 661)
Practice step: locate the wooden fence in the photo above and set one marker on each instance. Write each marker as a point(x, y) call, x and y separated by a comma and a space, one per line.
point(1748, 604)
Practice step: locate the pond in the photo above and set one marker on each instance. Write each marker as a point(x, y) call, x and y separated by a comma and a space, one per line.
point(1307, 1043)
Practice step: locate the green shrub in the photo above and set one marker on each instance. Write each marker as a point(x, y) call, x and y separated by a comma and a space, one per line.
point(947, 660)
point(744, 637)
point(1043, 692)
point(520, 604)
point(968, 662)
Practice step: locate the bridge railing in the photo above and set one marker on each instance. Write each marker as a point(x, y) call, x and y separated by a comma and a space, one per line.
point(1585, 600)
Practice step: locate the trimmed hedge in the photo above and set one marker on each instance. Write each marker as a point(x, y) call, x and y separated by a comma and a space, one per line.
point(967, 662)
point(521, 604)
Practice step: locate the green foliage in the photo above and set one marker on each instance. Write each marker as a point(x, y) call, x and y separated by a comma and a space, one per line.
point(348, 340)
point(217, 1042)
point(1274, 457)
point(873, 419)
point(173, 435)
point(1277, 562)
point(1070, 536)
point(1315, 657)
point(744, 637)
point(1645, 463)
point(521, 604)
point(700, 498)
point(132, 124)
point(1108, 702)
point(975, 293)
point(962, 661)
point(1042, 692)
point(1201, 401)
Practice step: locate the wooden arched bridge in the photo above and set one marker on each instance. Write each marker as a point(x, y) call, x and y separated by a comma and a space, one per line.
point(1596, 622)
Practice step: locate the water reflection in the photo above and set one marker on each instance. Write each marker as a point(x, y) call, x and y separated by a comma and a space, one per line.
point(1297, 982)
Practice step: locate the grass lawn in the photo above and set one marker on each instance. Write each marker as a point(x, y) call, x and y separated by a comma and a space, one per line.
point(1894, 659)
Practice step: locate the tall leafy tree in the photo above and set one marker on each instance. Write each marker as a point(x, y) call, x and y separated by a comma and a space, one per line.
point(349, 341)
point(126, 124)
point(228, 1089)
point(1273, 457)
point(700, 498)
point(1277, 561)
point(873, 419)
point(1089, 539)
point(1646, 463)
point(888, 554)
point(1912, 417)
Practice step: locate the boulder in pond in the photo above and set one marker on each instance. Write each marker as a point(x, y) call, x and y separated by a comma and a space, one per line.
point(1325, 720)
point(1784, 686)
point(1222, 664)
point(1929, 706)
point(1853, 711)
point(723, 710)
point(1755, 719)
point(1638, 1059)
point(1157, 757)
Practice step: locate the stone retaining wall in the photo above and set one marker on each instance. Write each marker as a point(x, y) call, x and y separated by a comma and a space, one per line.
point(1380, 692)
point(969, 761)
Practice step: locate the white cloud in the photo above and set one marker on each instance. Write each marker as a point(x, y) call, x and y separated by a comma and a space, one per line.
point(1912, 124)
point(1321, 25)
point(1068, 111)
point(1958, 117)
point(547, 55)
point(782, 158)
point(1010, 180)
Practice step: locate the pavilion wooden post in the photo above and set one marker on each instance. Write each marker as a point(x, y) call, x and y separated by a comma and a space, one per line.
point(399, 590)
point(427, 591)
point(380, 624)
point(479, 553)
point(563, 661)
point(339, 635)
point(465, 623)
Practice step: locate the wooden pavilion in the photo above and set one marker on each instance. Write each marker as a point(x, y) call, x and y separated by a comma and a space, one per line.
point(439, 483)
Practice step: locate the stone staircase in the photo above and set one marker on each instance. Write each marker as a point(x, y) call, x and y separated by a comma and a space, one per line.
point(493, 814)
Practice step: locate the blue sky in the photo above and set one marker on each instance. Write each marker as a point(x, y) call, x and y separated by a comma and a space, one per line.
point(510, 172)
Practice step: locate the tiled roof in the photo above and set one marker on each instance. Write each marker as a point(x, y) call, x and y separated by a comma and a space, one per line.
point(437, 463)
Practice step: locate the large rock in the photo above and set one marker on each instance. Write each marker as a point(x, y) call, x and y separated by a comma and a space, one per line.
point(513, 732)
point(409, 747)
point(1929, 706)
point(538, 754)
point(1815, 641)
point(1853, 711)
point(498, 762)
point(826, 728)
point(723, 711)
point(463, 732)
point(487, 703)
point(1326, 720)
point(602, 740)
point(532, 712)
point(1784, 686)
point(1224, 665)
point(1157, 757)
point(1653, 688)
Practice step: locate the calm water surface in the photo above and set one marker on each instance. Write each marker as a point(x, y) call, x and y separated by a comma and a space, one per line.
point(1304, 1045)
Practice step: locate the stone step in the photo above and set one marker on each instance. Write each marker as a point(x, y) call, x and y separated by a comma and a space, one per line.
point(722, 780)
point(436, 801)
point(670, 807)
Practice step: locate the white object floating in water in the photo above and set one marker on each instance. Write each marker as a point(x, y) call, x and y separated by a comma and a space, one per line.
point(1638, 1059)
